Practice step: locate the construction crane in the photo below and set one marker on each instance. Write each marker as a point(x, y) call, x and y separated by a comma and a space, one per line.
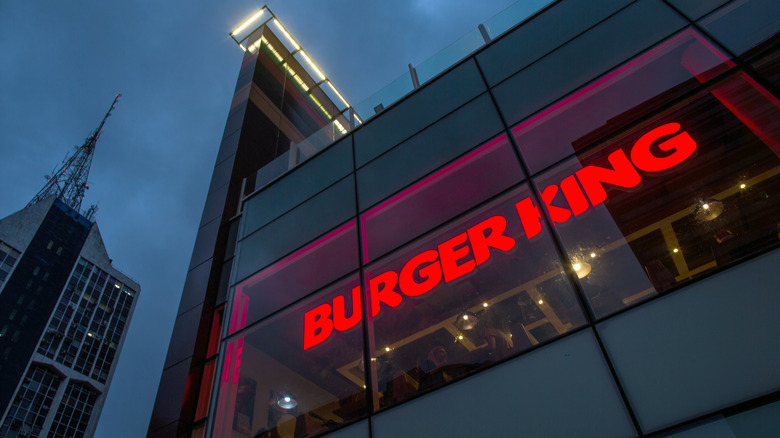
point(69, 181)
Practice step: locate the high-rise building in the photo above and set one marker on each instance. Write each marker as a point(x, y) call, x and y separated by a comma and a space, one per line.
point(572, 231)
point(64, 310)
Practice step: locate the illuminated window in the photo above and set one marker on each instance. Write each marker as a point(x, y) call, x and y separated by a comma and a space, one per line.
point(479, 290)
point(665, 190)
point(299, 372)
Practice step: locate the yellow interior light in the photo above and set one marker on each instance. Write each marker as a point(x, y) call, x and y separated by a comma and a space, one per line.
point(338, 94)
point(340, 127)
point(242, 47)
point(248, 22)
point(287, 35)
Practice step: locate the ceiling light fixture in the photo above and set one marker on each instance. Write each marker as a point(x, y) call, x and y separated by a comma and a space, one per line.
point(287, 401)
point(582, 269)
point(466, 321)
point(708, 209)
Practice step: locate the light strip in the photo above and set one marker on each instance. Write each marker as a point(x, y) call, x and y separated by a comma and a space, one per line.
point(338, 94)
point(248, 22)
point(242, 47)
point(314, 67)
point(281, 29)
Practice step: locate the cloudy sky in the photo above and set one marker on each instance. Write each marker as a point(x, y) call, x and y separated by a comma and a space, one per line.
point(62, 62)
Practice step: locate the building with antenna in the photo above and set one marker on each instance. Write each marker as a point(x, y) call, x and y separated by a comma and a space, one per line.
point(64, 309)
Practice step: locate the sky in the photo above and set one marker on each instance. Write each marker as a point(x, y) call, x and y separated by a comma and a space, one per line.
point(62, 62)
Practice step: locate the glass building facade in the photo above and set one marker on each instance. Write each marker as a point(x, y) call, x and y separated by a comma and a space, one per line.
point(573, 231)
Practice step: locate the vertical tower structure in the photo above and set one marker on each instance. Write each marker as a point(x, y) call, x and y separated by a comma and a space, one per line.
point(64, 309)
point(284, 110)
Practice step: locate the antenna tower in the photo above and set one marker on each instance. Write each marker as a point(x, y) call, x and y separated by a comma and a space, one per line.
point(69, 181)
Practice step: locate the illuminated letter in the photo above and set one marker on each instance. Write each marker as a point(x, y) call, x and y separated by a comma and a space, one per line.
point(450, 256)
point(557, 214)
point(316, 320)
point(623, 175)
point(574, 196)
point(681, 145)
point(481, 244)
point(431, 274)
point(386, 295)
point(529, 217)
point(340, 320)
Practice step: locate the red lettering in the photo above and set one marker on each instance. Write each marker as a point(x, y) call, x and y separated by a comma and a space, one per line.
point(431, 274)
point(574, 196)
point(450, 257)
point(681, 144)
point(317, 326)
point(385, 294)
point(340, 320)
point(481, 244)
point(622, 174)
point(450, 261)
point(530, 217)
point(557, 214)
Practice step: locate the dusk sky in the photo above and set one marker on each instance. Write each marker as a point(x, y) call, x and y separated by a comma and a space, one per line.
point(175, 65)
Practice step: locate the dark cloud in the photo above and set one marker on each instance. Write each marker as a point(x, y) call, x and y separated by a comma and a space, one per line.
point(175, 65)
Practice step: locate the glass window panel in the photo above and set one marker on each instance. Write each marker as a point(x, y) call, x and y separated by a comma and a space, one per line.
point(640, 86)
point(437, 145)
point(298, 373)
point(538, 36)
point(308, 269)
point(299, 226)
point(742, 24)
point(474, 292)
point(767, 61)
point(688, 190)
point(216, 330)
point(583, 59)
point(421, 109)
point(204, 396)
point(451, 190)
point(695, 9)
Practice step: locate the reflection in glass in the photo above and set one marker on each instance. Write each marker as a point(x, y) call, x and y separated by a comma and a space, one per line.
point(712, 203)
point(475, 292)
point(308, 269)
point(624, 94)
point(442, 195)
point(273, 382)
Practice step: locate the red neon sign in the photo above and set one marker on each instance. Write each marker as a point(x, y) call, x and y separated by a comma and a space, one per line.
point(461, 254)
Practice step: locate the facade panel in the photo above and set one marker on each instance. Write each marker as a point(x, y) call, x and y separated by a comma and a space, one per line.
point(582, 59)
point(429, 149)
point(542, 34)
point(432, 102)
point(697, 339)
point(741, 25)
point(564, 390)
